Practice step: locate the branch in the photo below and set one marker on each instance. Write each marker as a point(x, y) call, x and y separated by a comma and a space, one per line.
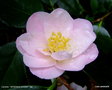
point(102, 18)
point(63, 81)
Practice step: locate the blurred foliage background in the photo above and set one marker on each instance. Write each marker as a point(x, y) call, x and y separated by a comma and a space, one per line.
point(13, 17)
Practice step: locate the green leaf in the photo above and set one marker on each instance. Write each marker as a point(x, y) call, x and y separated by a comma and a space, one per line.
point(103, 40)
point(94, 5)
point(72, 6)
point(14, 73)
point(50, 2)
point(6, 55)
point(101, 30)
point(16, 12)
point(100, 6)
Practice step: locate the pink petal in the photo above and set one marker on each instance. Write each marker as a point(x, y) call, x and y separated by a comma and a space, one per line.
point(79, 62)
point(83, 24)
point(58, 21)
point(35, 23)
point(82, 36)
point(28, 43)
point(61, 55)
point(62, 87)
point(39, 61)
point(35, 26)
point(41, 50)
point(77, 87)
point(47, 73)
point(22, 43)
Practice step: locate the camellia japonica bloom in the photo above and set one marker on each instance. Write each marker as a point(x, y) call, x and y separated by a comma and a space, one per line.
point(55, 43)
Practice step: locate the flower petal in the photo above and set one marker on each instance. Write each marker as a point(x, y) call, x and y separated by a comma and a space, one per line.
point(41, 50)
point(35, 23)
point(79, 62)
point(58, 21)
point(83, 24)
point(35, 26)
point(77, 87)
point(82, 36)
point(61, 55)
point(62, 87)
point(38, 61)
point(28, 43)
point(47, 73)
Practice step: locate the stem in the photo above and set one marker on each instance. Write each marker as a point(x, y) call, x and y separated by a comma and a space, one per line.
point(99, 26)
point(103, 17)
point(63, 81)
point(54, 82)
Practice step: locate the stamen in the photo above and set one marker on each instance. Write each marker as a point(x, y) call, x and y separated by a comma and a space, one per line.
point(57, 42)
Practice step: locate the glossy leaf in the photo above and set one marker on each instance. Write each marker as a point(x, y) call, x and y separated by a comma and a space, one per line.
point(50, 2)
point(94, 5)
point(7, 53)
point(101, 6)
point(72, 6)
point(103, 40)
point(14, 73)
point(101, 30)
point(16, 12)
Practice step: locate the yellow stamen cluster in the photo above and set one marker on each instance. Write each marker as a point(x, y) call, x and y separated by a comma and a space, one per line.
point(57, 42)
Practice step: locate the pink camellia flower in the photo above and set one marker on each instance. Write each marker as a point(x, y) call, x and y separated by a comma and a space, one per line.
point(55, 43)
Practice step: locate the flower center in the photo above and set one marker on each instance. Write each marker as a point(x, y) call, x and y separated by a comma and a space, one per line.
point(57, 42)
